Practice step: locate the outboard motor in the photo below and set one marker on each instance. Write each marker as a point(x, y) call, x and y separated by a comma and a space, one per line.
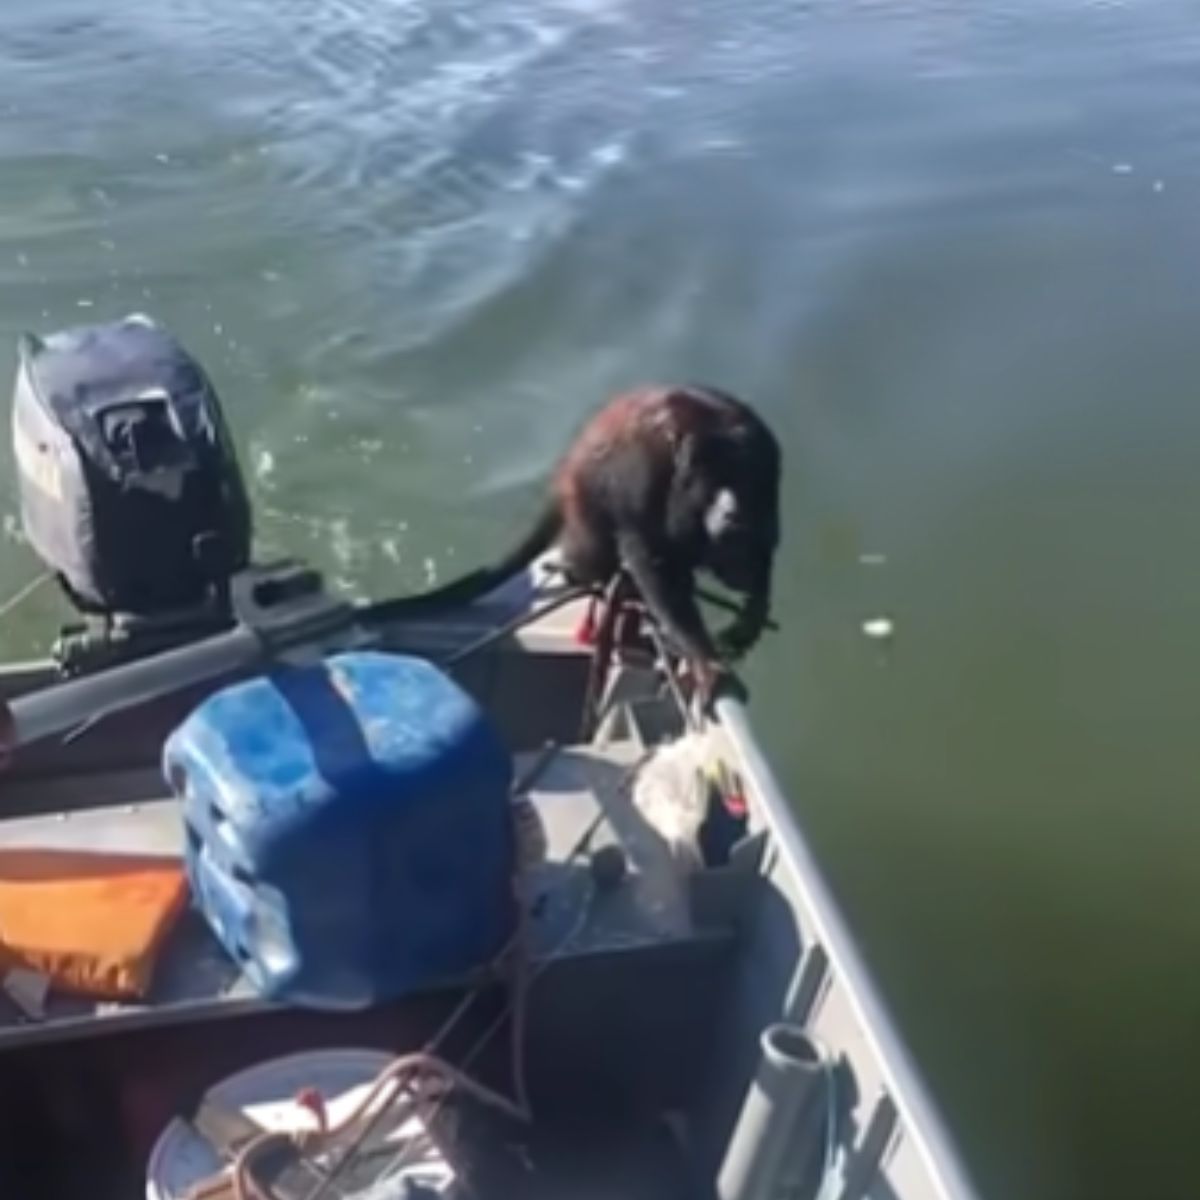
point(129, 487)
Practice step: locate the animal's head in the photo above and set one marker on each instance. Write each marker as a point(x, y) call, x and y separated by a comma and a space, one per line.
point(742, 519)
point(725, 489)
point(740, 549)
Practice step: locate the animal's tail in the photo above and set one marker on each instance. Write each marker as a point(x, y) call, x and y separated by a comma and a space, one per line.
point(475, 583)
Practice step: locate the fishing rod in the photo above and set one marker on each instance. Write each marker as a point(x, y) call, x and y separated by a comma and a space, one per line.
point(281, 612)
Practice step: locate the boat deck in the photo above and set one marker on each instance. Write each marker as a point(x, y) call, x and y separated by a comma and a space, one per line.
point(581, 795)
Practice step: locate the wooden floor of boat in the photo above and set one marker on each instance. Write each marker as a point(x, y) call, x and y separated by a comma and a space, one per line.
point(579, 792)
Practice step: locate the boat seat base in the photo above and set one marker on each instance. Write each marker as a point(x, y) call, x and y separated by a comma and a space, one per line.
point(581, 797)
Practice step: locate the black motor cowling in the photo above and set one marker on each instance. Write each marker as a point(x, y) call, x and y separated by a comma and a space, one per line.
point(129, 484)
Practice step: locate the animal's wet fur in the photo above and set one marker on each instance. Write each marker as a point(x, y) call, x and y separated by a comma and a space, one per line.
point(662, 482)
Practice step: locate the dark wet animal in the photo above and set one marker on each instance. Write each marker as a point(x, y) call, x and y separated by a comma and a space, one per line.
point(663, 482)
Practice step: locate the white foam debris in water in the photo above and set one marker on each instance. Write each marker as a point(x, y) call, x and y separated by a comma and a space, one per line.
point(1159, 186)
point(264, 466)
point(879, 628)
point(162, 158)
point(609, 155)
point(430, 572)
point(82, 303)
point(873, 560)
point(390, 549)
point(1122, 168)
point(218, 329)
point(11, 526)
point(341, 543)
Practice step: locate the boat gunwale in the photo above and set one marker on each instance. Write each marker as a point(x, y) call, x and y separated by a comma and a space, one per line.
point(907, 1089)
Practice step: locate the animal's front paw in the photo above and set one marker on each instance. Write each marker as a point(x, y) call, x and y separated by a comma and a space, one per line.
point(724, 683)
point(711, 680)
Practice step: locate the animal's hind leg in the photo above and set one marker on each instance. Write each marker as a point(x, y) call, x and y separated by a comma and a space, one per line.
point(587, 560)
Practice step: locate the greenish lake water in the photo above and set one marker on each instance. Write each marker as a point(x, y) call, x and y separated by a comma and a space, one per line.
point(950, 249)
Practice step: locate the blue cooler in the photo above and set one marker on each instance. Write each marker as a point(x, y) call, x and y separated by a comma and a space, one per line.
point(349, 828)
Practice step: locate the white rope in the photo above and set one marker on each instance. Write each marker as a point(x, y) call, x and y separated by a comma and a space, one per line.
point(23, 594)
